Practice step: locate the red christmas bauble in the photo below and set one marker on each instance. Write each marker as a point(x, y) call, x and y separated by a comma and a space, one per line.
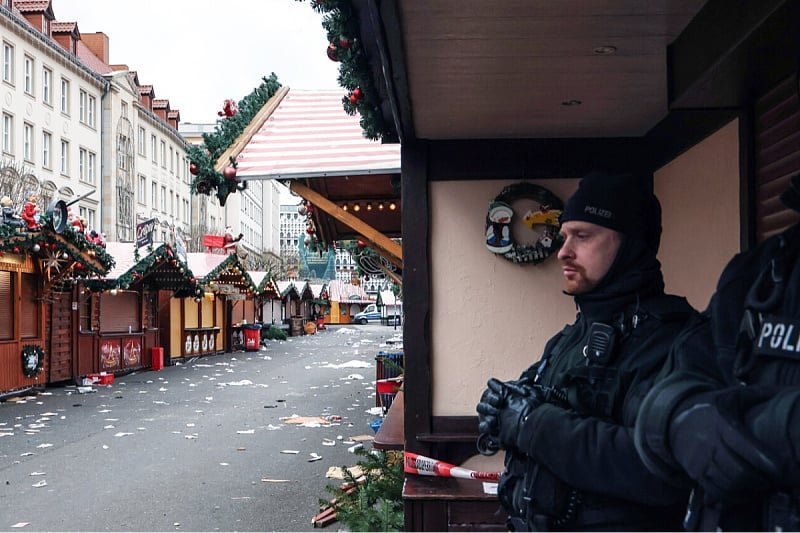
point(193, 168)
point(332, 53)
point(15, 249)
point(355, 96)
point(345, 42)
point(362, 244)
point(310, 230)
point(229, 173)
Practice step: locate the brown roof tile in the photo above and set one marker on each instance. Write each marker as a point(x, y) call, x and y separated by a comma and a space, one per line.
point(32, 6)
point(160, 103)
point(64, 27)
point(146, 89)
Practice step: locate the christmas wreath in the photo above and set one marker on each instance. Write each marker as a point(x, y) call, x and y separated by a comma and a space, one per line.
point(32, 360)
point(499, 239)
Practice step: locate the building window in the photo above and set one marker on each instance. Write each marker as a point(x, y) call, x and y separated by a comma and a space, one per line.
point(163, 154)
point(142, 192)
point(153, 195)
point(64, 96)
point(47, 140)
point(28, 65)
point(153, 152)
point(8, 133)
point(45, 26)
point(47, 82)
point(87, 215)
point(171, 202)
point(140, 140)
point(8, 63)
point(91, 167)
point(163, 199)
point(82, 153)
point(124, 111)
point(90, 117)
point(27, 142)
point(82, 105)
point(64, 167)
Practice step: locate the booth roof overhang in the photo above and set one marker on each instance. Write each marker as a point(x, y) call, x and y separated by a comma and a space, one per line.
point(309, 141)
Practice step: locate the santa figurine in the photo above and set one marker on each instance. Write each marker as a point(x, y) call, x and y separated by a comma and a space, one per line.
point(30, 214)
point(78, 224)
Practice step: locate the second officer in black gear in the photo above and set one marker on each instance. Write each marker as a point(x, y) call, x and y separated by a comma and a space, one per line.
point(567, 423)
point(726, 415)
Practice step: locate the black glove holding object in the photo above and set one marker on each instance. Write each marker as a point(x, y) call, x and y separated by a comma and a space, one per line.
point(720, 454)
point(502, 408)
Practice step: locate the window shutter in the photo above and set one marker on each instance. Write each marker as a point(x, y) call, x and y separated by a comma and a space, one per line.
point(6, 310)
point(119, 312)
point(29, 321)
point(777, 156)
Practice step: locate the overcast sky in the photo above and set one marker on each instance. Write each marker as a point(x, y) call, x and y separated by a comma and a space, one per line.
point(197, 53)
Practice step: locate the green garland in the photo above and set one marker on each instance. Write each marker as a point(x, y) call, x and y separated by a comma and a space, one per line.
point(203, 158)
point(38, 243)
point(163, 255)
point(341, 26)
point(232, 261)
point(32, 360)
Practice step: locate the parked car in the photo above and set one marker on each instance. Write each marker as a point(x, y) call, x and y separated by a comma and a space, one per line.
point(369, 314)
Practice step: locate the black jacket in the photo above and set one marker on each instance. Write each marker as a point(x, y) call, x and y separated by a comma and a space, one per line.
point(718, 361)
point(576, 461)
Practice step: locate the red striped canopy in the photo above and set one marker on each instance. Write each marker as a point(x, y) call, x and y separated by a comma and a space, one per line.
point(309, 135)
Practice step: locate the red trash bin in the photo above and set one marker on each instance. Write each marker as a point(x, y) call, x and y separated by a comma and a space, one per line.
point(252, 337)
point(156, 358)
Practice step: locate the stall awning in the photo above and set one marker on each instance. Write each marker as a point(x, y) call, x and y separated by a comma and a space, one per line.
point(309, 135)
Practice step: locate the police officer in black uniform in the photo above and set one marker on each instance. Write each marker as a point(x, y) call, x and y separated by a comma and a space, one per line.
point(567, 423)
point(725, 417)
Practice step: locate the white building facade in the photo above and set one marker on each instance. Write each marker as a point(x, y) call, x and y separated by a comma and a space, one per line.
point(51, 112)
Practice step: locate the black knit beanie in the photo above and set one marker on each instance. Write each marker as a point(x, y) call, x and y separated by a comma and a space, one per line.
point(622, 202)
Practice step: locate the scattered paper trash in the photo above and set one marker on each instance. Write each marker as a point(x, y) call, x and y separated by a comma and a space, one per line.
point(354, 363)
point(41, 483)
point(314, 457)
point(20, 524)
point(337, 472)
point(353, 448)
point(362, 438)
point(246, 431)
point(290, 452)
point(328, 442)
point(44, 445)
point(37, 474)
point(269, 480)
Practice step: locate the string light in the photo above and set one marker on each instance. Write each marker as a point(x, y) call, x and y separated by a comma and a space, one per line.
point(380, 206)
point(357, 208)
point(392, 206)
point(369, 206)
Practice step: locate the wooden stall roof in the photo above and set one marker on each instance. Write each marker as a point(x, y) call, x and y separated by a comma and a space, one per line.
point(265, 285)
point(161, 268)
point(215, 269)
point(308, 139)
point(287, 288)
point(339, 291)
point(388, 298)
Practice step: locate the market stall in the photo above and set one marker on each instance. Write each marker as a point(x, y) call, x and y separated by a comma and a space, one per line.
point(346, 300)
point(40, 260)
point(206, 324)
point(268, 299)
point(118, 315)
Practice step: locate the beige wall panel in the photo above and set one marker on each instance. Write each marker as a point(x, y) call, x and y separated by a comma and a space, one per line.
point(489, 316)
point(699, 193)
point(175, 339)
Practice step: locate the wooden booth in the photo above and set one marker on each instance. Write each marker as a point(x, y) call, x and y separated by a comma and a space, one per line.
point(39, 263)
point(320, 304)
point(203, 325)
point(391, 308)
point(292, 306)
point(268, 300)
point(346, 300)
point(118, 316)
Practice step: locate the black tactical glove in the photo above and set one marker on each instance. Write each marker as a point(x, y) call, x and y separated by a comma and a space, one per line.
point(718, 453)
point(502, 408)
